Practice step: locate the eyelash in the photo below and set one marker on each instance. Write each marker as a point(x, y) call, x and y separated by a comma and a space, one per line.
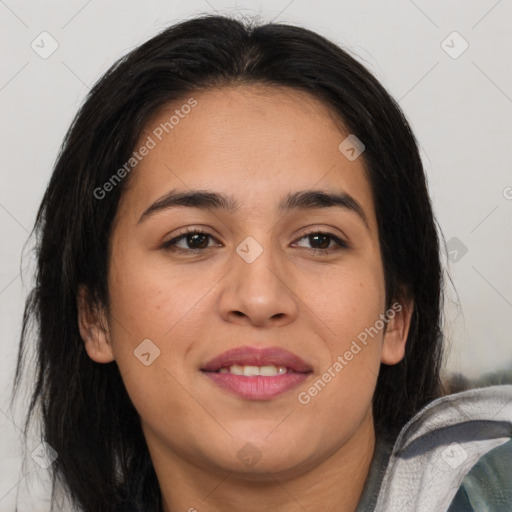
point(169, 245)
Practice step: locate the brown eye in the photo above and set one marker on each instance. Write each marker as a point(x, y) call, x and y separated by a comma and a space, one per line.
point(323, 240)
point(320, 241)
point(193, 240)
point(197, 240)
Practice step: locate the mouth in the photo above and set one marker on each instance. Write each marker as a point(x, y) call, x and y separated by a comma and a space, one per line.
point(257, 374)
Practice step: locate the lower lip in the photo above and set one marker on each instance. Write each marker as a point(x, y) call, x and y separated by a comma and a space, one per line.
point(257, 387)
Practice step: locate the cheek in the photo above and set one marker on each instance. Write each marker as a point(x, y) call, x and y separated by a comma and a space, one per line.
point(346, 309)
point(149, 298)
point(345, 300)
point(155, 301)
point(342, 391)
point(155, 319)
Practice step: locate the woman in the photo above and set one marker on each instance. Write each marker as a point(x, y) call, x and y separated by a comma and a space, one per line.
point(239, 287)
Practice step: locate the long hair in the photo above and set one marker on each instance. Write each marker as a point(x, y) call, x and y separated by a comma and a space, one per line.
point(87, 416)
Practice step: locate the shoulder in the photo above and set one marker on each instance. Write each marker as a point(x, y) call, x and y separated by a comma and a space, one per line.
point(456, 452)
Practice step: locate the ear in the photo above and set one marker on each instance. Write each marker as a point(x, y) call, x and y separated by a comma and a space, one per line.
point(93, 328)
point(397, 328)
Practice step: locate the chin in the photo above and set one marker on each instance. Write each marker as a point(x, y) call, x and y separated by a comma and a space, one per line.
point(255, 457)
point(269, 466)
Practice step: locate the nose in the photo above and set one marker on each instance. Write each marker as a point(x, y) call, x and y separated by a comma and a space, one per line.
point(258, 292)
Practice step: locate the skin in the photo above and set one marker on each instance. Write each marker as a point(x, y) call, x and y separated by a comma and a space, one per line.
point(256, 144)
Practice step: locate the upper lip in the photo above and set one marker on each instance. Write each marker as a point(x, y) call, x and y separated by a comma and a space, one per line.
point(251, 356)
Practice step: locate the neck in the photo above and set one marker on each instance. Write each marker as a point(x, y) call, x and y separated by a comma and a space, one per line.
point(333, 485)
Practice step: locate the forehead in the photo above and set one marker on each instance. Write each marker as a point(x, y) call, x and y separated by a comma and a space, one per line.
point(253, 142)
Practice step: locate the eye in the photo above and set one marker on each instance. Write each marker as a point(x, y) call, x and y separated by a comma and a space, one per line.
point(323, 240)
point(192, 239)
point(196, 240)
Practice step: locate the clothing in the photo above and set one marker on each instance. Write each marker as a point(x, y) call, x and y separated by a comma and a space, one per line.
point(455, 455)
point(375, 476)
point(487, 487)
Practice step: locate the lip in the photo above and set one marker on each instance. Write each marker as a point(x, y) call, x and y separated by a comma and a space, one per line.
point(250, 356)
point(258, 387)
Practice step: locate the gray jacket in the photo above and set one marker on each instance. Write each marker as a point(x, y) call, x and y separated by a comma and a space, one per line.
point(455, 455)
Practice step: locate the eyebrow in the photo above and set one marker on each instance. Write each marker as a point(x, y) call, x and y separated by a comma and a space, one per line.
point(300, 200)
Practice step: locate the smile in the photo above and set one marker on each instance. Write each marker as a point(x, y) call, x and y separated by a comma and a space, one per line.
point(257, 373)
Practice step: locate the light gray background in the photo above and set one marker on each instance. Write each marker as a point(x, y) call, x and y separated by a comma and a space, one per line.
point(460, 109)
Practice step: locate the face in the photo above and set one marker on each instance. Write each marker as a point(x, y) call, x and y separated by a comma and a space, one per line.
point(275, 277)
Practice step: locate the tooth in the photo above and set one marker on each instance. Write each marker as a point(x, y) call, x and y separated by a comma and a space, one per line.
point(236, 369)
point(250, 371)
point(253, 371)
point(268, 371)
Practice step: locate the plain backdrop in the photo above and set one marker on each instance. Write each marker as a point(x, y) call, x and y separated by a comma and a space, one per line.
point(447, 63)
